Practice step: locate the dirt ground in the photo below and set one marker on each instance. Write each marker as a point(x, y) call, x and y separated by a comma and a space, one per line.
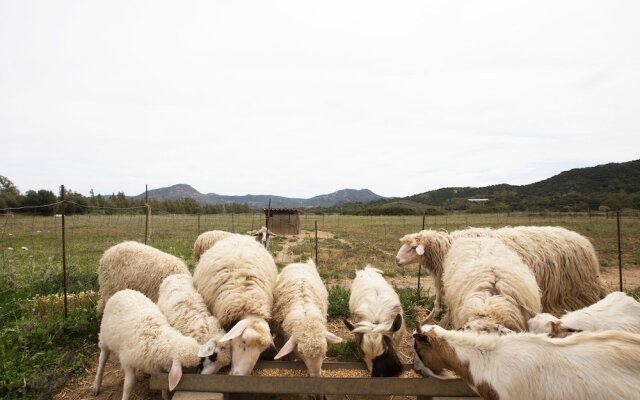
point(81, 388)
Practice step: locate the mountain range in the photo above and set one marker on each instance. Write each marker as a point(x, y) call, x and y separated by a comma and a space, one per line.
point(343, 196)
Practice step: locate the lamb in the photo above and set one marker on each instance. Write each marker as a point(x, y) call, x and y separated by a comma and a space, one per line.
point(617, 312)
point(487, 287)
point(236, 278)
point(525, 366)
point(207, 239)
point(564, 262)
point(379, 326)
point(133, 265)
point(187, 312)
point(134, 329)
point(300, 313)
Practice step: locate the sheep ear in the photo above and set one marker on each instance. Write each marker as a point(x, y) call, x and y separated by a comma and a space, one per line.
point(331, 338)
point(421, 337)
point(503, 330)
point(348, 324)
point(420, 249)
point(235, 331)
point(555, 328)
point(207, 349)
point(175, 374)
point(397, 323)
point(286, 349)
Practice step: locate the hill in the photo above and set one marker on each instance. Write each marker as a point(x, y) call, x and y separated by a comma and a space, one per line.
point(343, 196)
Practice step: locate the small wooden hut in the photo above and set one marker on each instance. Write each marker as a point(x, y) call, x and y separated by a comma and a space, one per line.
point(283, 221)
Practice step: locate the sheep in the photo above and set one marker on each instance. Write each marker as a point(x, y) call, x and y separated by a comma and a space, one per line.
point(187, 312)
point(564, 262)
point(487, 287)
point(207, 239)
point(379, 325)
point(300, 313)
point(133, 265)
point(236, 278)
point(617, 312)
point(525, 366)
point(134, 329)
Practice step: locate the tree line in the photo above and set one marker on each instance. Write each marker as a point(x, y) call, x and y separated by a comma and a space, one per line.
point(39, 202)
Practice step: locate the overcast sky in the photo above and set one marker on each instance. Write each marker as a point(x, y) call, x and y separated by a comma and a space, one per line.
point(300, 98)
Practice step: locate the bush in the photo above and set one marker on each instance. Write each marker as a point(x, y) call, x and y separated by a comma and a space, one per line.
point(410, 298)
point(339, 302)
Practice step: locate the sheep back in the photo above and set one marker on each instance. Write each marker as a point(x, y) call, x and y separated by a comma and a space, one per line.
point(206, 240)
point(133, 265)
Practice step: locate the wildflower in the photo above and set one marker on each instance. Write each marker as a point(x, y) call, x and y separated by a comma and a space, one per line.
point(26, 328)
point(24, 248)
point(10, 248)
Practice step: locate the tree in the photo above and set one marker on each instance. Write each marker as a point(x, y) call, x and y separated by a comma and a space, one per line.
point(9, 193)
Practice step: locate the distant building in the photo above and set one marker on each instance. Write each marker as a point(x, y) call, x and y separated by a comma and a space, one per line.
point(283, 221)
point(478, 200)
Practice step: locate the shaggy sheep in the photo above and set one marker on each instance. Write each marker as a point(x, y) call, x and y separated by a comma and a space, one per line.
point(617, 312)
point(300, 313)
point(133, 265)
point(487, 287)
point(564, 262)
point(134, 329)
point(236, 278)
point(186, 311)
point(526, 366)
point(379, 326)
point(207, 239)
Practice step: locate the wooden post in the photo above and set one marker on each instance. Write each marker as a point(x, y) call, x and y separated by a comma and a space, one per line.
point(199, 215)
point(619, 249)
point(316, 228)
point(147, 213)
point(64, 253)
point(268, 222)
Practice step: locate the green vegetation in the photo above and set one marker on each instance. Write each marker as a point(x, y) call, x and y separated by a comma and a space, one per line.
point(345, 351)
point(339, 302)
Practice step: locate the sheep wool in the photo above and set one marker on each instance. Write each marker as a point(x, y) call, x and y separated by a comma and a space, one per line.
point(187, 312)
point(486, 285)
point(133, 265)
point(300, 308)
point(236, 278)
point(206, 241)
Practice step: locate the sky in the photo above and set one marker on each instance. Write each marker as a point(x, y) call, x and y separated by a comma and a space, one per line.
point(300, 98)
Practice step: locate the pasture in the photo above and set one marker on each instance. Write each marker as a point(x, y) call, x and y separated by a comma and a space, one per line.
point(41, 352)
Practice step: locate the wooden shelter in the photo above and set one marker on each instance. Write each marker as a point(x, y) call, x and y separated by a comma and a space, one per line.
point(283, 221)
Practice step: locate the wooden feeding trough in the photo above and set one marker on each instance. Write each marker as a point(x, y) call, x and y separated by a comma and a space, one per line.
point(283, 221)
point(339, 378)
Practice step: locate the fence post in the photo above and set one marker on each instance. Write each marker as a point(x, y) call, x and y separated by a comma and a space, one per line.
point(64, 254)
point(619, 249)
point(420, 264)
point(199, 215)
point(316, 228)
point(147, 212)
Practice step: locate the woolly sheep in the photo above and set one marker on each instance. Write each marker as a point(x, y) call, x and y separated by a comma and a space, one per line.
point(133, 265)
point(236, 278)
point(207, 239)
point(300, 313)
point(379, 326)
point(134, 329)
point(617, 312)
point(487, 287)
point(564, 262)
point(186, 311)
point(525, 366)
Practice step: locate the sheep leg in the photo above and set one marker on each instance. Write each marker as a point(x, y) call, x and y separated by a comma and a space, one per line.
point(104, 356)
point(165, 395)
point(129, 381)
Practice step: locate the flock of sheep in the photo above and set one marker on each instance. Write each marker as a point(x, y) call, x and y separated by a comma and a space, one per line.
point(504, 291)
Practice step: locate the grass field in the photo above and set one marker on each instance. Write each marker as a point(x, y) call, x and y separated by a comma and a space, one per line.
point(40, 350)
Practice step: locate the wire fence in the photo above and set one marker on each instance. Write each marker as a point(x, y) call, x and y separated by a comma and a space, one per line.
point(33, 255)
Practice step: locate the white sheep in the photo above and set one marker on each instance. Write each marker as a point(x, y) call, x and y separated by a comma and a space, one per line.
point(617, 312)
point(525, 366)
point(236, 278)
point(207, 239)
point(300, 313)
point(379, 326)
point(134, 329)
point(487, 286)
point(133, 265)
point(564, 262)
point(187, 312)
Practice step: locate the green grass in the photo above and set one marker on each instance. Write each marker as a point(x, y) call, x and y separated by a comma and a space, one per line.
point(345, 351)
point(54, 349)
